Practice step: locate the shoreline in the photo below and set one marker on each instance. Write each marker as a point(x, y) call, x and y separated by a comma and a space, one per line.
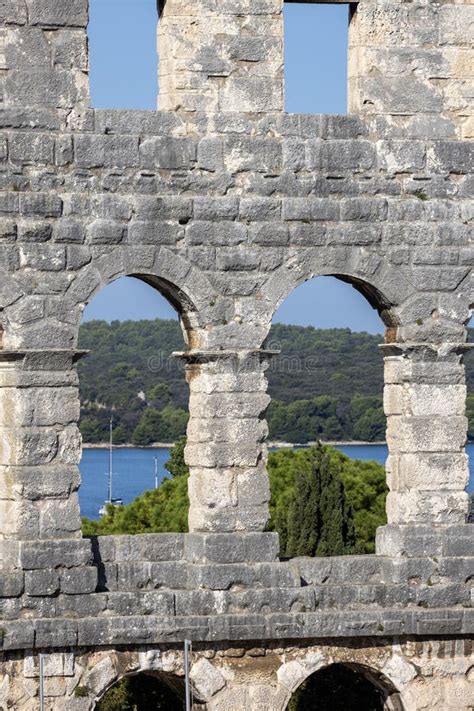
point(271, 445)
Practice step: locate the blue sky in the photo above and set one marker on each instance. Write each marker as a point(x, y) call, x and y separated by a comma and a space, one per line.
point(122, 35)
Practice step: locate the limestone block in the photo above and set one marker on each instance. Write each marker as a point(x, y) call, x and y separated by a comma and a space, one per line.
point(48, 13)
point(419, 506)
point(206, 679)
point(42, 87)
point(26, 47)
point(400, 671)
point(435, 433)
point(39, 583)
point(14, 11)
point(49, 258)
point(55, 664)
point(11, 584)
point(31, 148)
point(433, 472)
point(101, 676)
point(37, 555)
point(69, 49)
point(78, 581)
point(253, 487)
point(60, 518)
point(236, 405)
point(168, 153)
point(229, 430)
point(252, 94)
point(424, 400)
point(291, 675)
point(39, 482)
point(111, 151)
point(213, 488)
point(223, 455)
point(456, 25)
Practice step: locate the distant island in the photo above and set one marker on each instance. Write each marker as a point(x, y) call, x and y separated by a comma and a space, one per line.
point(325, 384)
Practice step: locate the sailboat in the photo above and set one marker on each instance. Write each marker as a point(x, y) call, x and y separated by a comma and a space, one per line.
point(110, 499)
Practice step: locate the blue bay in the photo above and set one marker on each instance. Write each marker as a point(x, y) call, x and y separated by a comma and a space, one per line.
point(134, 471)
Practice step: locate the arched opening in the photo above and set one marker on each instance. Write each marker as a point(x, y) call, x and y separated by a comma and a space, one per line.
point(134, 398)
point(143, 692)
point(326, 419)
point(345, 687)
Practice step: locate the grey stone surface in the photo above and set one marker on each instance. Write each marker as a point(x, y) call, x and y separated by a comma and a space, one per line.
point(226, 203)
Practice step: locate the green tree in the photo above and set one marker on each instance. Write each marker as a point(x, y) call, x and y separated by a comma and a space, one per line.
point(320, 519)
point(91, 430)
point(159, 395)
point(364, 484)
point(148, 429)
point(120, 435)
point(166, 509)
point(176, 464)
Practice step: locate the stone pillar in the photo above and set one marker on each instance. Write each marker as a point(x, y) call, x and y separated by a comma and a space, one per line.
point(40, 445)
point(409, 67)
point(427, 467)
point(220, 55)
point(43, 54)
point(226, 451)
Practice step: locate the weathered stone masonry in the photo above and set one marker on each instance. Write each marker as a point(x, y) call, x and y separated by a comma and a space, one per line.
point(225, 204)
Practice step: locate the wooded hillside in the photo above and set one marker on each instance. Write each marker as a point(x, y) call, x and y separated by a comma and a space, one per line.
point(326, 383)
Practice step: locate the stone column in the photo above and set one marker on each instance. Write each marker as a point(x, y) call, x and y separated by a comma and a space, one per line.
point(427, 467)
point(226, 451)
point(217, 56)
point(40, 445)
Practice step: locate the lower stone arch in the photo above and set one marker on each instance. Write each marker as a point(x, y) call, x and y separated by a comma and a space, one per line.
point(145, 690)
point(109, 668)
point(345, 686)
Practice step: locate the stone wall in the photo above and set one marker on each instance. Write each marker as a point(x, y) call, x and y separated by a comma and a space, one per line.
point(415, 674)
point(225, 204)
point(226, 214)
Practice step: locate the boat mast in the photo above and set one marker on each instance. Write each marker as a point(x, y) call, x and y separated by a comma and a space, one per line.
point(156, 472)
point(109, 498)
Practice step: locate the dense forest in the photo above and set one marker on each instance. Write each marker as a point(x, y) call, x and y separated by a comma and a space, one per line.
point(326, 383)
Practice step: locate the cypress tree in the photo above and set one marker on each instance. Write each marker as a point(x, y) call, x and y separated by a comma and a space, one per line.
point(320, 519)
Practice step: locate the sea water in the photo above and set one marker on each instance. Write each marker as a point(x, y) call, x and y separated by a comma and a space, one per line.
point(134, 471)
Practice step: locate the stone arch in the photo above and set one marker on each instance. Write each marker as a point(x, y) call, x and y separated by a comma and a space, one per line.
point(365, 680)
point(165, 665)
point(181, 283)
point(29, 324)
point(171, 686)
point(385, 288)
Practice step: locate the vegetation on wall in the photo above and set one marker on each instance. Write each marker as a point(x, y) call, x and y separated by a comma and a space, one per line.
point(356, 490)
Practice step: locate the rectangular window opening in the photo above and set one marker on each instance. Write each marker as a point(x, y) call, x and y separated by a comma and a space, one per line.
point(316, 57)
point(123, 55)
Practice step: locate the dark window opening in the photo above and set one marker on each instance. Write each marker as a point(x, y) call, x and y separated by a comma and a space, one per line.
point(123, 56)
point(143, 692)
point(341, 687)
point(316, 44)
